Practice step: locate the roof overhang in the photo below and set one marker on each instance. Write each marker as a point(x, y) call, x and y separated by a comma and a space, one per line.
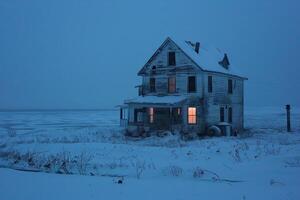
point(157, 100)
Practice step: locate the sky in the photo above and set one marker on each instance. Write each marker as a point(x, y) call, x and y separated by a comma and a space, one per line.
point(85, 54)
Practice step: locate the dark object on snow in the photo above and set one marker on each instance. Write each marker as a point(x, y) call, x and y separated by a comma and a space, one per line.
point(214, 131)
point(235, 132)
point(119, 180)
point(288, 117)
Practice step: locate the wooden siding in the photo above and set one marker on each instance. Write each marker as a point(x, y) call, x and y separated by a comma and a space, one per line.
point(207, 104)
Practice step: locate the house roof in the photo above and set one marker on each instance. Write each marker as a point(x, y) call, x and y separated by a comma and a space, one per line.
point(166, 100)
point(208, 59)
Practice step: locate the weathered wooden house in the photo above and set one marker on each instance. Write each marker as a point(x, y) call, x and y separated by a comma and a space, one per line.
point(187, 87)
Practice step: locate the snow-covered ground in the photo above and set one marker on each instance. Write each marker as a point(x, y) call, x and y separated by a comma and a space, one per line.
point(83, 155)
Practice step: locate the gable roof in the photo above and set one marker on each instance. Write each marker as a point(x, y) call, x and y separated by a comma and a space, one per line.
point(208, 59)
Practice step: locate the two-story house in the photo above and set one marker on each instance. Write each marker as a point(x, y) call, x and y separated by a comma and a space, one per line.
point(186, 87)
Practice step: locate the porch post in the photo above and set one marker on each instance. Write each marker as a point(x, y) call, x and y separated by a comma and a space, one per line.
point(171, 118)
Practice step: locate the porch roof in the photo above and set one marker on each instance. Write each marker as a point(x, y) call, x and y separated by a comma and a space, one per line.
point(159, 100)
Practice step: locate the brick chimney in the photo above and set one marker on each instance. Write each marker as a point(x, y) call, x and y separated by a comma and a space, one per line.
point(197, 47)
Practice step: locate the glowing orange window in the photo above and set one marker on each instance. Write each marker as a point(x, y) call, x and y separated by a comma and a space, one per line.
point(192, 117)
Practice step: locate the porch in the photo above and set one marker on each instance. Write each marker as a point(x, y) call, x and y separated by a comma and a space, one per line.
point(157, 118)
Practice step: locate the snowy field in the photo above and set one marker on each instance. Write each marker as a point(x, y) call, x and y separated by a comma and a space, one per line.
point(84, 155)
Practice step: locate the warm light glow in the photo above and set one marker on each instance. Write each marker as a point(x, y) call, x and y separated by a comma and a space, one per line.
point(178, 111)
point(151, 115)
point(192, 118)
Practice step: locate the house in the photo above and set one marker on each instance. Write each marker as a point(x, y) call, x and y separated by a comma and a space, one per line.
point(186, 87)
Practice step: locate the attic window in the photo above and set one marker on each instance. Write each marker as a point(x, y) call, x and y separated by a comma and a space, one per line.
point(171, 58)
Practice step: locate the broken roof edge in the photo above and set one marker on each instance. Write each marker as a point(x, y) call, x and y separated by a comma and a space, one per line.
point(140, 72)
point(178, 45)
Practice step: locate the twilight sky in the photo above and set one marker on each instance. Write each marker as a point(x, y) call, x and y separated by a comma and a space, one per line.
point(64, 54)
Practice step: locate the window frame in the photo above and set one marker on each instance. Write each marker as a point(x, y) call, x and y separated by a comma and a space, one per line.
point(209, 84)
point(230, 114)
point(138, 112)
point(169, 83)
point(192, 115)
point(171, 59)
point(222, 114)
point(195, 84)
point(230, 86)
point(152, 84)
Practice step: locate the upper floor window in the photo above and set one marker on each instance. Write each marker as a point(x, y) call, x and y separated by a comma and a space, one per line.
point(192, 84)
point(192, 115)
point(172, 84)
point(229, 86)
point(209, 84)
point(171, 58)
point(152, 84)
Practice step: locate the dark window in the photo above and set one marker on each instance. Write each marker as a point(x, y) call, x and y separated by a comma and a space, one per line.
point(229, 86)
point(210, 84)
point(172, 84)
point(138, 115)
point(221, 114)
point(152, 84)
point(172, 59)
point(230, 115)
point(192, 84)
point(153, 69)
point(121, 113)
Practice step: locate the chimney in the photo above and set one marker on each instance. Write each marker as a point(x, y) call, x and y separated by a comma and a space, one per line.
point(197, 47)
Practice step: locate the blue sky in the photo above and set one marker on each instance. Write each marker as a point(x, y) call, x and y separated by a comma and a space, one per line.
point(86, 54)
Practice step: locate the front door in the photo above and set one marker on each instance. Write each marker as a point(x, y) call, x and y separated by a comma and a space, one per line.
point(162, 119)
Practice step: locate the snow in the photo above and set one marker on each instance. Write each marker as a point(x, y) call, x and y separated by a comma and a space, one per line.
point(157, 99)
point(208, 58)
point(262, 164)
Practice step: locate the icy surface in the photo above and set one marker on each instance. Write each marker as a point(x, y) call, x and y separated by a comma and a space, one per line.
point(262, 164)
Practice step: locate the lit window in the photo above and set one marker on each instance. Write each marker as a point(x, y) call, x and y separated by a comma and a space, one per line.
point(192, 117)
point(151, 115)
